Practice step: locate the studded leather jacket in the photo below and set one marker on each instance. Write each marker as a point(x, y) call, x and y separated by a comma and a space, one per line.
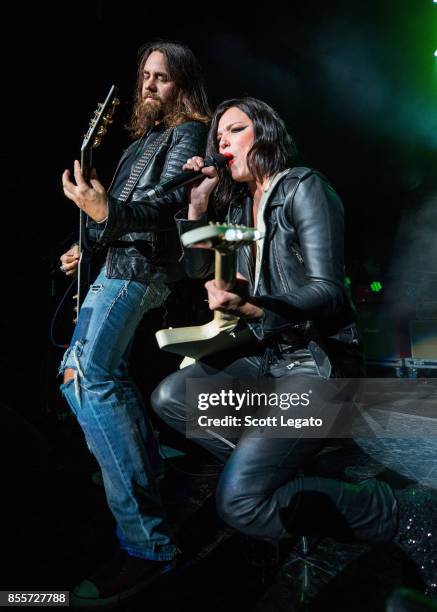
point(140, 237)
point(300, 284)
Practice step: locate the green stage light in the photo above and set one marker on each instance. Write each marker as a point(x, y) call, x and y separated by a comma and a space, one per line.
point(347, 280)
point(435, 52)
point(376, 286)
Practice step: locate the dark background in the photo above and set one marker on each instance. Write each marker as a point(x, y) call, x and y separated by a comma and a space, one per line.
point(356, 83)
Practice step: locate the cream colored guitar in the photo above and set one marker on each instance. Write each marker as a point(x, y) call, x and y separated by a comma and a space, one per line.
point(223, 332)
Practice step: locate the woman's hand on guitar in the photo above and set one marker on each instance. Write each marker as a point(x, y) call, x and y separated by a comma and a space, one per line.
point(90, 197)
point(70, 261)
point(200, 190)
point(234, 298)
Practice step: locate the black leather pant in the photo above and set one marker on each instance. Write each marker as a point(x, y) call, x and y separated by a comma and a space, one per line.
point(262, 491)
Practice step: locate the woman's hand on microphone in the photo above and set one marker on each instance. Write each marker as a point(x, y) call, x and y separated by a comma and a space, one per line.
point(200, 190)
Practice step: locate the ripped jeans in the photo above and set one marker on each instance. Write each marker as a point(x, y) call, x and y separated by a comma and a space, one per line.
point(110, 411)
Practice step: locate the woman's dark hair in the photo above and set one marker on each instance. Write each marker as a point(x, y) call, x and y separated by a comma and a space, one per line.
point(191, 101)
point(273, 149)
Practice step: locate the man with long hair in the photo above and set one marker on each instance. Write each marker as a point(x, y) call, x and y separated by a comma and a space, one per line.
point(139, 240)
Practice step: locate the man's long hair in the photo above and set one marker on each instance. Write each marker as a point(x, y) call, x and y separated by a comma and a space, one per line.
point(190, 103)
point(273, 149)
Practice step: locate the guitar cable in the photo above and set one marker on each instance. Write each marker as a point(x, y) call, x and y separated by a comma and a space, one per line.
point(55, 316)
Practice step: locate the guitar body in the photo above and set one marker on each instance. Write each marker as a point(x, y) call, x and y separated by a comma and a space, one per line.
point(203, 340)
point(224, 332)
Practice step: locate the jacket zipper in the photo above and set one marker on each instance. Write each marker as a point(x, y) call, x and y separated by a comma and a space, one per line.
point(297, 255)
point(281, 271)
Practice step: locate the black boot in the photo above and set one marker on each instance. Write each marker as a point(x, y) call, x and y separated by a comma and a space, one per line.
point(364, 512)
point(313, 514)
point(118, 581)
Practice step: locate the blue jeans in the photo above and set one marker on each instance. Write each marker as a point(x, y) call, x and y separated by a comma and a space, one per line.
point(110, 411)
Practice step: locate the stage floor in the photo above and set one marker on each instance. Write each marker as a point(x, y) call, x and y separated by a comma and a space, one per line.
point(57, 529)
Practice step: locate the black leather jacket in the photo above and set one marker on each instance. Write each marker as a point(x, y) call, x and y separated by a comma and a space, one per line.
point(301, 282)
point(141, 237)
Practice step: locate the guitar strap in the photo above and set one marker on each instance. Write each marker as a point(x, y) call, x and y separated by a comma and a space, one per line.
point(135, 174)
point(138, 168)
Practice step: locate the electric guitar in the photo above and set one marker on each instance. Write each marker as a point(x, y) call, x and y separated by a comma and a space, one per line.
point(224, 331)
point(98, 127)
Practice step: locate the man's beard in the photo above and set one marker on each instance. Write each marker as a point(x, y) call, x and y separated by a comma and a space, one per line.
point(145, 114)
point(149, 112)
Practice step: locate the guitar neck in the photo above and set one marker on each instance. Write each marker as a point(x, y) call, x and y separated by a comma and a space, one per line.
point(225, 271)
point(85, 163)
point(83, 269)
point(98, 126)
point(86, 160)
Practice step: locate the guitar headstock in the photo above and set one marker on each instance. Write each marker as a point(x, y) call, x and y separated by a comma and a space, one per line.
point(102, 117)
point(224, 238)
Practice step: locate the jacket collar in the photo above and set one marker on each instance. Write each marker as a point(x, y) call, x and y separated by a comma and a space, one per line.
point(261, 220)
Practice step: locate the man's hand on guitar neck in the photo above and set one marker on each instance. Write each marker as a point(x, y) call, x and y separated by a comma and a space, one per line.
point(90, 197)
point(236, 299)
point(70, 261)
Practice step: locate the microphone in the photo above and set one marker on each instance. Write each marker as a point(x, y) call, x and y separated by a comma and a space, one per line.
point(189, 176)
